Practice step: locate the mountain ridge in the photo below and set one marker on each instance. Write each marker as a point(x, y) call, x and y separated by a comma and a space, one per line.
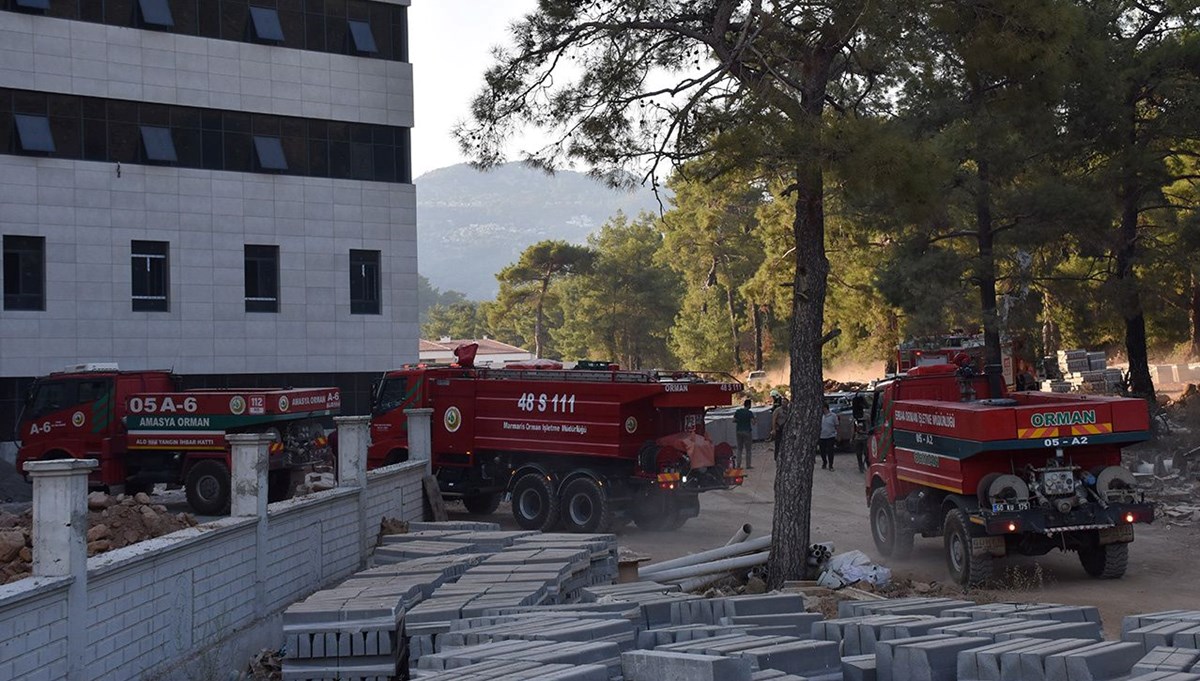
point(471, 223)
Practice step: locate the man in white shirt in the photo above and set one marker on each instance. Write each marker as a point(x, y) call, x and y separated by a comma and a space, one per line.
point(829, 424)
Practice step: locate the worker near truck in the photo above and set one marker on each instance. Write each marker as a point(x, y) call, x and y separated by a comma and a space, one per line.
point(743, 421)
point(828, 436)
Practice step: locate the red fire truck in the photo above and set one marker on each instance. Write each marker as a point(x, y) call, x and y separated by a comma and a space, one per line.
point(143, 430)
point(953, 455)
point(584, 446)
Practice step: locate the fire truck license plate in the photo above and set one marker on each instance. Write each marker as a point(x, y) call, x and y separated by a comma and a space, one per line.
point(1002, 508)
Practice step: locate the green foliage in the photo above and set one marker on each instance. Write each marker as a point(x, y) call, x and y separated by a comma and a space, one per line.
point(529, 279)
point(456, 320)
point(622, 309)
point(429, 296)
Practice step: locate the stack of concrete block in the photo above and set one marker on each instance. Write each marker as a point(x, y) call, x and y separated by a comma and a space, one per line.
point(1083, 371)
point(348, 632)
point(452, 525)
point(1167, 659)
point(900, 606)
point(1004, 629)
point(805, 658)
point(395, 549)
point(602, 653)
point(603, 548)
point(1037, 611)
point(517, 669)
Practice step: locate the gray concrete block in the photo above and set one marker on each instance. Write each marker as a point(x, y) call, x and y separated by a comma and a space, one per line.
point(1162, 633)
point(885, 652)
point(1099, 661)
point(765, 604)
point(1049, 629)
point(1030, 663)
point(802, 658)
point(983, 664)
point(932, 660)
point(1131, 622)
point(1166, 676)
point(1163, 659)
point(657, 665)
point(921, 626)
point(859, 668)
point(859, 638)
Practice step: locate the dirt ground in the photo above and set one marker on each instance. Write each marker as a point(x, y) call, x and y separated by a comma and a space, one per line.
point(1164, 573)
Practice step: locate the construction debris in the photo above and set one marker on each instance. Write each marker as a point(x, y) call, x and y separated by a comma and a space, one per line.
point(1083, 371)
point(113, 522)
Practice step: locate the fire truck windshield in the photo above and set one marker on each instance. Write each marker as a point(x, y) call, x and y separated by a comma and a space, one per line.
point(393, 393)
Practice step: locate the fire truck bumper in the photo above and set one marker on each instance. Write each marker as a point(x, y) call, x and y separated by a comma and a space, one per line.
point(1115, 522)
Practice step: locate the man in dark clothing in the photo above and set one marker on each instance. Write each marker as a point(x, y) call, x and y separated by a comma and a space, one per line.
point(743, 421)
point(779, 416)
point(858, 408)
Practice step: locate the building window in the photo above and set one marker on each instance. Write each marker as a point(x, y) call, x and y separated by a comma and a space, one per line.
point(121, 131)
point(151, 278)
point(264, 21)
point(270, 153)
point(33, 4)
point(364, 40)
point(364, 282)
point(156, 13)
point(158, 145)
point(24, 272)
point(262, 279)
point(33, 133)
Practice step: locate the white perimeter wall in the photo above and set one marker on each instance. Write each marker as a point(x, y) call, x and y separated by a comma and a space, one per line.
point(192, 605)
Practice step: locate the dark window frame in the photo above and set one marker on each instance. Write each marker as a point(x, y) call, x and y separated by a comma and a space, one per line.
point(24, 290)
point(366, 281)
point(34, 135)
point(121, 131)
point(302, 25)
point(158, 144)
point(150, 276)
point(362, 38)
point(262, 277)
point(264, 24)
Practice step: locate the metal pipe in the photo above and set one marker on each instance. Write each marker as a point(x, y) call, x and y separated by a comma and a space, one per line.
point(696, 583)
point(741, 535)
point(725, 565)
point(756, 544)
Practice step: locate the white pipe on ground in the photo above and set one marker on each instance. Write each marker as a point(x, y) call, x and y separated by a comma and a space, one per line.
point(756, 544)
point(697, 583)
point(741, 535)
point(725, 565)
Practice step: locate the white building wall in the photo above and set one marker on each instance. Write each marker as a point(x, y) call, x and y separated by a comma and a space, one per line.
point(94, 60)
point(89, 215)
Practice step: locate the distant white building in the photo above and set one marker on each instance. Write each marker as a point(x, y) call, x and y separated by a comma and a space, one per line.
point(492, 353)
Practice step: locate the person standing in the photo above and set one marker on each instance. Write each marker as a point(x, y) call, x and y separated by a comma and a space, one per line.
point(858, 407)
point(779, 416)
point(743, 421)
point(829, 424)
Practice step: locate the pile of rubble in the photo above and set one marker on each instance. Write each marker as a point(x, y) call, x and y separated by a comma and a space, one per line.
point(113, 522)
point(466, 601)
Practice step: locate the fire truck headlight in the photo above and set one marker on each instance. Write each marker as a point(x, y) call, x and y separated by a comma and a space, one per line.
point(684, 479)
point(1129, 517)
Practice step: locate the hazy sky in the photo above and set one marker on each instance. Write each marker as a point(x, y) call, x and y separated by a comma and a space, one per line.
point(450, 46)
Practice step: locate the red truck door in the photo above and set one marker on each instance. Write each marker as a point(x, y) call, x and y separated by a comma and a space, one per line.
point(453, 420)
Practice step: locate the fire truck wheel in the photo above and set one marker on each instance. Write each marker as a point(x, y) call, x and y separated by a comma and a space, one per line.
point(534, 504)
point(585, 507)
point(207, 487)
point(482, 504)
point(1105, 562)
point(965, 569)
point(891, 538)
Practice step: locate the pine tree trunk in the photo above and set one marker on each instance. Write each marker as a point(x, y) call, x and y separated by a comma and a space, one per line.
point(733, 327)
point(1131, 300)
point(798, 449)
point(1194, 315)
point(985, 272)
point(758, 338)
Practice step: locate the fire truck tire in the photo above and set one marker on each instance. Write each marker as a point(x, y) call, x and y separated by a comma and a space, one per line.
point(207, 487)
point(482, 504)
point(965, 569)
point(1105, 562)
point(585, 507)
point(534, 503)
point(892, 539)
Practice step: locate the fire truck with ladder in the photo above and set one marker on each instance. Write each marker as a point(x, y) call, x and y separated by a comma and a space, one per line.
point(144, 430)
point(586, 447)
point(954, 455)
